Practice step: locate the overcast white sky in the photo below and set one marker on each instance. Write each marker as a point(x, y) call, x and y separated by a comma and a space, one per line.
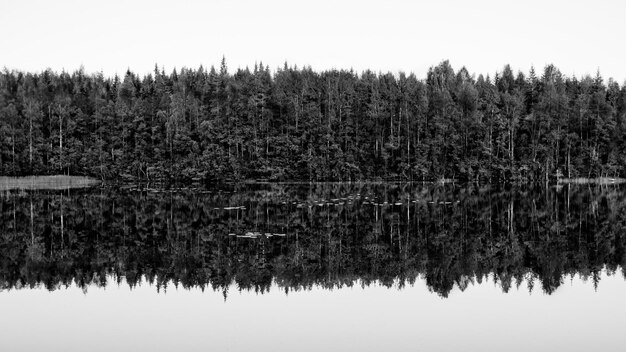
point(391, 35)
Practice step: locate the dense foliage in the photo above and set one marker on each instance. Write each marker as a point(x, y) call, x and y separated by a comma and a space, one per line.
point(334, 235)
point(298, 124)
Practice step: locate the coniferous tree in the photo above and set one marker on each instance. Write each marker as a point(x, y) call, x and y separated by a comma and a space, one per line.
point(298, 124)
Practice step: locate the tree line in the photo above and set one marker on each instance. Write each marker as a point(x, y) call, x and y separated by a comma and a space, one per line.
point(450, 238)
point(299, 124)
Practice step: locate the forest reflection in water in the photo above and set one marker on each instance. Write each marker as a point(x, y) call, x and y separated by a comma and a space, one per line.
point(300, 236)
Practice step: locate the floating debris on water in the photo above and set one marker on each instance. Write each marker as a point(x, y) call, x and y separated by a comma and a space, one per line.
point(250, 235)
point(256, 234)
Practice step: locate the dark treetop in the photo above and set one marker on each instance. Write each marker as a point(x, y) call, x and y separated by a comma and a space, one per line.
point(298, 236)
point(298, 124)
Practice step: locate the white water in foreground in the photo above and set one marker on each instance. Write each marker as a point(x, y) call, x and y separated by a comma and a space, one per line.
point(374, 318)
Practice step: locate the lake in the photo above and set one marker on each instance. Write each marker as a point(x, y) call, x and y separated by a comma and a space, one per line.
point(313, 267)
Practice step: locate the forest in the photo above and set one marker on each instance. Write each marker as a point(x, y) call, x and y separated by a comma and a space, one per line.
point(393, 235)
point(297, 124)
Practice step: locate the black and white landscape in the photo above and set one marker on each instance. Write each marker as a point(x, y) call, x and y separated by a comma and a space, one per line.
point(391, 176)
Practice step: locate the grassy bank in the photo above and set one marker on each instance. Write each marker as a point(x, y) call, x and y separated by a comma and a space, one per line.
point(57, 182)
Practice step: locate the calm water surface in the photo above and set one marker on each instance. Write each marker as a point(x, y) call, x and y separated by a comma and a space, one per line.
point(329, 267)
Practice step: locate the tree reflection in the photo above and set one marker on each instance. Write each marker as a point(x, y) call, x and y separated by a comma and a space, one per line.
point(300, 236)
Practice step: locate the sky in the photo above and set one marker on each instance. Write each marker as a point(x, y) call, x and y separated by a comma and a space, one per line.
point(579, 37)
